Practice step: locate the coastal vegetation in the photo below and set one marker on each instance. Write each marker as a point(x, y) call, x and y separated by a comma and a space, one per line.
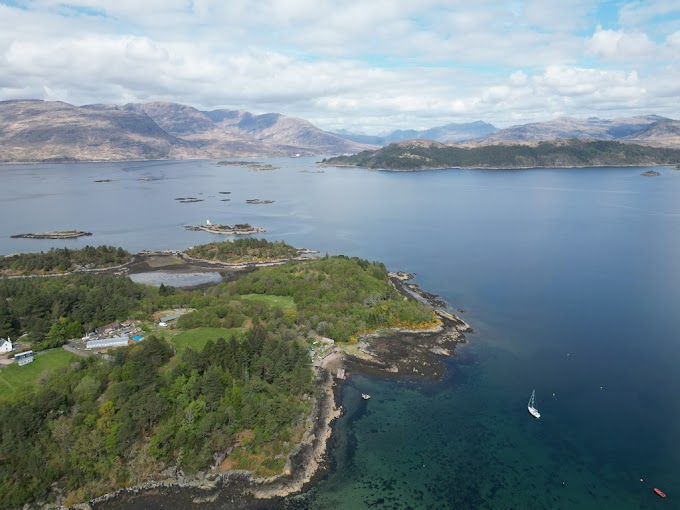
point(16, 381)
point(423, 155)
point(232, 378)
point(243, 251)
point(51, 310)
point(62, 260)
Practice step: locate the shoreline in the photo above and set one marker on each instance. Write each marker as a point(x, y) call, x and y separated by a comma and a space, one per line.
point(142, 257)
point(394, 352)
point(566, 167)
point(305, 463)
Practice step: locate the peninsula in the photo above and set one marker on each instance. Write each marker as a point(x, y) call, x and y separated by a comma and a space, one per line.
point(414, 155)
point(234, 393)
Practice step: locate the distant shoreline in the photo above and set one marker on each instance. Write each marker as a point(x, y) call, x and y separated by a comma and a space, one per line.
point(566, 167)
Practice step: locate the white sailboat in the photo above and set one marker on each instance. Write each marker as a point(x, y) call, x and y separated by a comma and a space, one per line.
point(532, 402)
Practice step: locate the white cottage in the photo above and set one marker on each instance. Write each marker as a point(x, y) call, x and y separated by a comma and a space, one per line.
point(5, 345)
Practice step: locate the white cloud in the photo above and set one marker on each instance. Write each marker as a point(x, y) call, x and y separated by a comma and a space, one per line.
point(373, 65)
point(620, 44)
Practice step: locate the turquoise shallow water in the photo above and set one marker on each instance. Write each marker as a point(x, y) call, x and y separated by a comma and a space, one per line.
point(571, 279)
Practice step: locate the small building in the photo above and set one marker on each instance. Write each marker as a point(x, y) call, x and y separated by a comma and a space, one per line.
point(107, 328)
point(341, 374)
point(5, 345)
point(107, 343)
point(24, 358)
point(327, 340)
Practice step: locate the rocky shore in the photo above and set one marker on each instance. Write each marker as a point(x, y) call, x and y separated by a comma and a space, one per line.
point(240, 488)
point(392, 352)
point(238, 229)
point(57, 234)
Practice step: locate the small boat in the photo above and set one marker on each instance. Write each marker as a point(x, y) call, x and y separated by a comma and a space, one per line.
point(365, 396)
point(660, 493)
point(532, 402)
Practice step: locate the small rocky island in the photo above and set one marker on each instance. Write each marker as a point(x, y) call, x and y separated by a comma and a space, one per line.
point(257, 201)
point(57, 234)
point(188, 200)
point(252, 165)
point(238, 229)
point(650, 173)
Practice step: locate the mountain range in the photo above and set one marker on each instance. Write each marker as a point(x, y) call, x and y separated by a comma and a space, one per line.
point(447, 133)
point(35, 130)
point(650, 130)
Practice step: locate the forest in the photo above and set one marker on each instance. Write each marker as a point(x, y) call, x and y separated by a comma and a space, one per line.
point(120, 419)
point(62, 260)
point(570, 153)
point(243, 250)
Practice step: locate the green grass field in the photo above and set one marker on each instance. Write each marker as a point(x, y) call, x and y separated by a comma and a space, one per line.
point(14, 379)
point(282, 301)
point(197, 338)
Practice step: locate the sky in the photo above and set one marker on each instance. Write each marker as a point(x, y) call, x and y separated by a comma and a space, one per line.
point(362, 65)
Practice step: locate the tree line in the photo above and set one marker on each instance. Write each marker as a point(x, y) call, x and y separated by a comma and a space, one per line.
point(86, 428)
point(62, 260)
point(243, 250)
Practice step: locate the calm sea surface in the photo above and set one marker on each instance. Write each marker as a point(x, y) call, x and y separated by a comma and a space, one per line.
point(571, 279)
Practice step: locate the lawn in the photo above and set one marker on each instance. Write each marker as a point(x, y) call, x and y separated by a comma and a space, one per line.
point(15, 379)
point(197, 338)
point(281, 301)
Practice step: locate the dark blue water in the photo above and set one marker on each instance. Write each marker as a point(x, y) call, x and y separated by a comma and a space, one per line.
point(571, 279)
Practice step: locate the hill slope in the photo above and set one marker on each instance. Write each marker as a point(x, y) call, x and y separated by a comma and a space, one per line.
point(569, 127)
point(277, 129)
point(423, 155)
point(34, 130)
point(448, 133)
point(665, 133)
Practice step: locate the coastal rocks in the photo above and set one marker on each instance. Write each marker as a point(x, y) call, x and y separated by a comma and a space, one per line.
point(401, 276)
point(58, 234)
point(459, 324)
point(400, 281)
point(188, 200)
point(311, 454)
point(238, 229)
point(412, 352)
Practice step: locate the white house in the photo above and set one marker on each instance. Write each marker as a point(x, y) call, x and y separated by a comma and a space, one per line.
point(5, 345)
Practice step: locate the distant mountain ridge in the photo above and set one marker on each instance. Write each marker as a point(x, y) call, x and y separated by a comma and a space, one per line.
point(36, 130)
point(651, 130)
point(564, 128)
point(448, 133)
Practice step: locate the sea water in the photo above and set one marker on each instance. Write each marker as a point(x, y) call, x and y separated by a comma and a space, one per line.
point(570, 277)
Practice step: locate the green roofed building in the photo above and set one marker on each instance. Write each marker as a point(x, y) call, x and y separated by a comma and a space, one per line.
point(171, 317)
